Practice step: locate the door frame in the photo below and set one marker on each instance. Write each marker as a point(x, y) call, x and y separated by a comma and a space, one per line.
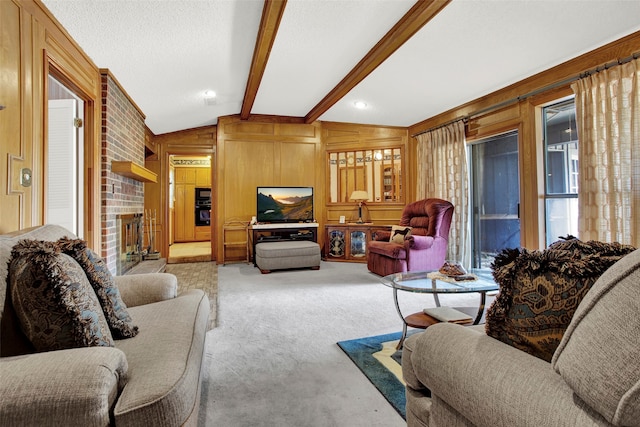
point(92, 197)
point(165, 155)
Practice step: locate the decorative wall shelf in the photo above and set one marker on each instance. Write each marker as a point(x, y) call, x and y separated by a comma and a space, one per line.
point(134, 171)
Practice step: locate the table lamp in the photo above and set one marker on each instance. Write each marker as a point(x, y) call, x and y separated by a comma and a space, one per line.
point(359, 196)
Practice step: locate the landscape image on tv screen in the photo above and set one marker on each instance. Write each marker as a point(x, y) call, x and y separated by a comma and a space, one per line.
point(285, 204)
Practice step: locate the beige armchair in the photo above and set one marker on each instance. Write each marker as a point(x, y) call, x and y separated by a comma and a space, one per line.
point(459, 376)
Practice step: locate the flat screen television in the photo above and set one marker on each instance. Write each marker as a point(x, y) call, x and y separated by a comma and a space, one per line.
point(285, 204)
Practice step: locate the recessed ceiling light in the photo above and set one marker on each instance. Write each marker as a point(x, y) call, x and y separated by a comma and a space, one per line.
point(210, 98)
point(361, 105)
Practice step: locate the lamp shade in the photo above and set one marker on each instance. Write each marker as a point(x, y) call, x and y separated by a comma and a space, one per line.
point(359, 195)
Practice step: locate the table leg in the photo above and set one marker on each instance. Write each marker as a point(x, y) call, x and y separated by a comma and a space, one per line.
point(404, 322)
point(483, 301)
point(436, 299)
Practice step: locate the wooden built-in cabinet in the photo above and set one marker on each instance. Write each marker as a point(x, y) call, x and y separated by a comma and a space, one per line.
point(187, 180)
point(185, 223)
point(203, 177)
point(349, 242)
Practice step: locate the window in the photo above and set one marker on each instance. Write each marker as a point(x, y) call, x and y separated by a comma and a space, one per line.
point(495, 194)
point(561, 170)
point(376, 171)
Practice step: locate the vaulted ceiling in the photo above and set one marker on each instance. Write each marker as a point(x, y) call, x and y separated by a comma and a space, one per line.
point(315, 59)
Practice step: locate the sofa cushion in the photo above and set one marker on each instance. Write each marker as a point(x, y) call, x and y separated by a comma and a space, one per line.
point(53, 299)
point(599, 355)
point(104, 286)
point(399, 233)
point(540, 291)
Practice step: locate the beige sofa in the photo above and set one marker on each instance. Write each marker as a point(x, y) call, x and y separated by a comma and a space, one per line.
point(592, 380)
point(152, 379)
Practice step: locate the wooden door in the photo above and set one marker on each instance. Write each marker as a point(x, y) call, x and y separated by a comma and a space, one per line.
point(184, 208)
point(179, 212)
point(190, 213)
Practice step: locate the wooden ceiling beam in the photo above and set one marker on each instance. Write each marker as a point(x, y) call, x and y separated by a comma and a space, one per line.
point(421, 13)
point(271, 16)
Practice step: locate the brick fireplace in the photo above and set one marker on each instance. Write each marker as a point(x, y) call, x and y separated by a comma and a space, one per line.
point(123, 136)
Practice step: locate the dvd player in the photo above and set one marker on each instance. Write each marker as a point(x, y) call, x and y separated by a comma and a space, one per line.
point(269, 238)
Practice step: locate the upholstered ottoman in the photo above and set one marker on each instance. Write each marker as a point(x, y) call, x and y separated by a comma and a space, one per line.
point(288, 254)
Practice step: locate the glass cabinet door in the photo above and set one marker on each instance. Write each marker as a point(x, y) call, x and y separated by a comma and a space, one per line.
point(336, 242)
point(358, 244)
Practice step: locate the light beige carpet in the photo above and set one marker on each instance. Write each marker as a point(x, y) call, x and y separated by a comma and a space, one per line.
point(272, 359)
point(199, 275)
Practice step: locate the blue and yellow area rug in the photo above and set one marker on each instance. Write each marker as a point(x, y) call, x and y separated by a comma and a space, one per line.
point(379, 361)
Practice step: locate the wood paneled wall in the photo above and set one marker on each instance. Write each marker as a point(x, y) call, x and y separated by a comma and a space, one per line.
point(33, 44)
point(280, 151)
point(264, 151)
point(346, 136)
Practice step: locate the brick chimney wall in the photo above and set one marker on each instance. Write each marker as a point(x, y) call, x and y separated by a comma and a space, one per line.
point(123, 135)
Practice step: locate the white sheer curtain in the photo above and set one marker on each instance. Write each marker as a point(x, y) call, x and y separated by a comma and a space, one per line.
point(443, 173)
point(608, 117)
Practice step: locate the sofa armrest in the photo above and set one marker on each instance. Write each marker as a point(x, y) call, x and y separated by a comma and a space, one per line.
point(493, 384)
point(66, 387)
point(141, 289)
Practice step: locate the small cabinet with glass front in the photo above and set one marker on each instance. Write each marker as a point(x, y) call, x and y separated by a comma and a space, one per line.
point(349, 242)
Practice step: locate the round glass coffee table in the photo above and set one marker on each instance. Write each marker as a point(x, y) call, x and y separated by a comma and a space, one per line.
point(432, 282)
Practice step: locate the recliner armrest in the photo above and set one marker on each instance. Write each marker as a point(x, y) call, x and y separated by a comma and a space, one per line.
point(493, 384)
point(419, 242)
point(65, 387)
point(381, 235)
point(140, 289)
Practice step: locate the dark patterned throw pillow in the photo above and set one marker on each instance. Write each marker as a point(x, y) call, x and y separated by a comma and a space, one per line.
point(104, 286)
point(53, 299)
point(540, 291)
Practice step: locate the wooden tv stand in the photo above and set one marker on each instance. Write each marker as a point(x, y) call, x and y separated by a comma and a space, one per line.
point(280, 232)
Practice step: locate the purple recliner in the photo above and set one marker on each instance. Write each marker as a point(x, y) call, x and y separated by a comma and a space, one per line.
point(424, 249)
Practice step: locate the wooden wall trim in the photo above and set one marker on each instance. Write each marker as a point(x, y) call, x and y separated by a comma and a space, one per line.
point(41, 45)
point(55, 30)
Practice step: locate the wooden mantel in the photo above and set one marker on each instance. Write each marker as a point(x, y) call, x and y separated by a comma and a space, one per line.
point(134, 171)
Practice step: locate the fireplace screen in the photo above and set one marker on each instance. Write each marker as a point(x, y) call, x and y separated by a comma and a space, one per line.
point(128, 241)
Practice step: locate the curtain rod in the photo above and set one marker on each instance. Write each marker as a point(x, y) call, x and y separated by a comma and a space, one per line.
point(564, 82)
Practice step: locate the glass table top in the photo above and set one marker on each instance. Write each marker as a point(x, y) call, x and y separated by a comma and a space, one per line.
point(434, 282)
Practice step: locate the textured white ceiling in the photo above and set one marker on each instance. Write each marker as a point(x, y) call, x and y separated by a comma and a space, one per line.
point(474, 47)
point(317, 44)
point(166, 53)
